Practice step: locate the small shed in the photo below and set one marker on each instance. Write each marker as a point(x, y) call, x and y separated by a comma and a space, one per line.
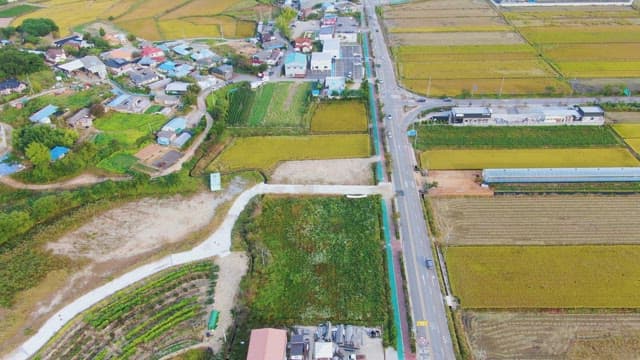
point(176, 125)
point(165, 137)
point(324, 351)
point(58, 152)
point(181, 140)
point(81, 119)
point(214, 181)
point(43, 115)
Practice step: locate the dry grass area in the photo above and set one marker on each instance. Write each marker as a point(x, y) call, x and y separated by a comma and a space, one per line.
point(131, 227)
point(624, 117)
point(457, 183)
point(538, 220)
point(455, 38)
point(331, 172)
point(536, 335)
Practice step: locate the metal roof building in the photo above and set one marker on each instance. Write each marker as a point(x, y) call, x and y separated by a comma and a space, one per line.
point(42, 116)
point(561, 175)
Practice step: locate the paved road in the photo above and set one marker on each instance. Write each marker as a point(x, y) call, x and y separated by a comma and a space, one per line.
point(434, 340)
point(218, 243)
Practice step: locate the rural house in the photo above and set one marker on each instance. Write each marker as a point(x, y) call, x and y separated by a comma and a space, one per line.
point(153, 53)
point(321, 61)
point(81, 120)
point(55, 55)
point(43, 116)
point(118, 66)
point(331, 46)
point(177, 88)
point(224, 72)
point(11, 86)
point(267, 344)
point(303, 44)
point(326, 33)
point(295, 65)
point(143, 77)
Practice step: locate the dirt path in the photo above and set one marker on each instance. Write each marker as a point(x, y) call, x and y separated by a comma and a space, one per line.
point(457, 183)
point(5, 138)
point(291, 95)
point(329, 172)
point(78, 181)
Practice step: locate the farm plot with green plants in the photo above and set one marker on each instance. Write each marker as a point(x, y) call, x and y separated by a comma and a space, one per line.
point(444, 136)
point(545, 276)
point(340, 116)
point(168, 309)
point(264, 152)
point(314, 259)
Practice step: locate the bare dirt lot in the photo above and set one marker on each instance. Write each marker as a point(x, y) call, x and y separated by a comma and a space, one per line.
point(624, 117)
point(331, 172)
point(457, 183)
point(111, 243)
point(538, 220)
point(511, 335)
point(232, 269)
point(456, 38)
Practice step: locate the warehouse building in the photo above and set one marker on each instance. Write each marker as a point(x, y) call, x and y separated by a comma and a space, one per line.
point(561, 175)
point(527, 116)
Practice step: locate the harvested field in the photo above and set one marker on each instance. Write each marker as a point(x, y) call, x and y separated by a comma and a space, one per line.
point(343, 116)
point(456, 38)
point(440, 22)
point(535, 335)
point(144, 28)
point(559, 219)
point(332, 172)
point(545, 276)
point(264, 153)
point(525, 158)
point(624, 117)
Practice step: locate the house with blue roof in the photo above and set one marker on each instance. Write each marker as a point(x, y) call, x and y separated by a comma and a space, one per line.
point(176, 125)
point(181, 70)
point(167, 66)
point(295, 65)
point(58, 152)
point(182, 50)
point(44, 114)
point(10, 86)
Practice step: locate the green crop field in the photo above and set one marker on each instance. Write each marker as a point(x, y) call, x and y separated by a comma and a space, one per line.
point(17, 11)
point(526, 158)
point(118, 162)
point(545, 276)
point(264, 152)
point(128, 128)
point(443, 136)
point(282, 104)
point(342, 116)
point(304, 250)
point(165, 311)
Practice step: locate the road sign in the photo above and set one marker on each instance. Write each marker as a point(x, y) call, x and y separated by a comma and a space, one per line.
point(412, 133)
point(422, 323)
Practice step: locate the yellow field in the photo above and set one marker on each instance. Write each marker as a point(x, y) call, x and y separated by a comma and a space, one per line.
point(264, 152)
point(454, 69)
point(144, 28)
point(600, 69)
point(479, 28)
point(597, 51)
point(71, 14)
point(443, 87)
point(150, 8)
point(200, 8)
point(180, 28)
point(346, 116)
point(627, 131)
point(634, 143)
point(526, 158)
point(592, 34)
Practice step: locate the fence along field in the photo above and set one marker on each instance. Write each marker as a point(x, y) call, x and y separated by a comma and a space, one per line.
point(162, 315)
point(467, 159)
point(153, 19)
point(585, 276)
point(540, 335)
point(538, 220)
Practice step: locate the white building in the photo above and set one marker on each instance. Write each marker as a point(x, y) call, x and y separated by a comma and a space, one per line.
point(527, 116)
point(321, 61)
point(331, 46)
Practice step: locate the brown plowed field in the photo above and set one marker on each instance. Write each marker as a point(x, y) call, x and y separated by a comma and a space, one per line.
point(523, 335)
point(539, 220)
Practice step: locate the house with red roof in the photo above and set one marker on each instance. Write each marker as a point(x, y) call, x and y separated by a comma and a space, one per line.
point(267, 344)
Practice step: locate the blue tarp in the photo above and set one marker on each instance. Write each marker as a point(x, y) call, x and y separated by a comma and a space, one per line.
point(8, 168)
point(58, 152)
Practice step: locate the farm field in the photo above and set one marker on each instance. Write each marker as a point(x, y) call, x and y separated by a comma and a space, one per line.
point(343, 116)
point(264, 152)
point(630, 133)
point(17, 11)
point(154, 19)
point(524, 158)
point(559, 220)
point(313, 243)
point(569, 188)
point(128, 128)
point(546, 335)
point(544, 276)
point(443, 136)
point(281, 104)
point(167, 312)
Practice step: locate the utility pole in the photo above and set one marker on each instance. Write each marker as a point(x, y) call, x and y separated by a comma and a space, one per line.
point(429, 86)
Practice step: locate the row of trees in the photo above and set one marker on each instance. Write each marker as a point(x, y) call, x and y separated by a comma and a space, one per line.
point(14, 62)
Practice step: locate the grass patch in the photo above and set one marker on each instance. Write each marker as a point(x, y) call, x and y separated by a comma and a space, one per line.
point(441, 136)
point(345, 116)
point(264, 152)
point(154, 109)
point(127, 129)
point(303, 252)
point(118, 162)
point(545, 276)
point(281, 104)
point(17, 11)
point(526, 158)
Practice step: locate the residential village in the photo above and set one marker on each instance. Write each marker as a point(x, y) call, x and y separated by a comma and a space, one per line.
point(163, 78)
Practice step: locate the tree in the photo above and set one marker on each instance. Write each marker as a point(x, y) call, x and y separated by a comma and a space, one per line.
point(38, 154)
point(97, 110)
point(43, 134)
point(38, 27)
point(102, 32)
point(14, 62)
point(287, 15)
point(131, 37)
